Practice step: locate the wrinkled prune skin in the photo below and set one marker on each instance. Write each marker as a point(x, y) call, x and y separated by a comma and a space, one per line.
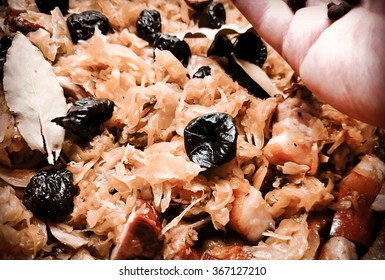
point(197, 4)
point(149, 25)
point(82, 26)
point(46, 6)
point(212, 16)
point(179, 48)
point(211, 140)
point(50, 194)
point(222, 49)
point(249, 46)
point(295, 5)
point(5, 43)
point(202, 72)
point(85, 117)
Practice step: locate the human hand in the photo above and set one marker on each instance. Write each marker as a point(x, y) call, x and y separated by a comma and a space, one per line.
point(341, 62)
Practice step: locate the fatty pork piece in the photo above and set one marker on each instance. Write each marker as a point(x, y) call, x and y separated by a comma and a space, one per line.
point(288, 242)
point(295, 134)
point(249, 215)
point(357, 191)
point(141, 237)
point(338, 248)
point(179, 241)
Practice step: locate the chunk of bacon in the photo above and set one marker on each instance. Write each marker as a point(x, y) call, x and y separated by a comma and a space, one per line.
point(338, 248)
point(358, 190)
point(295, 135)
point(250, 215)
point(141, 236)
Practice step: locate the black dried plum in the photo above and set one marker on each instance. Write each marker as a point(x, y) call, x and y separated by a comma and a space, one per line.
point(221, 46)
point(202, 72)
point(45, 6)
point(85, 117)
point(211, 140)
point(352, 2)
point(82, 26)
point(148, 25)
point(295, 5)
point(50, 194)
point(198, 4)
point(179, 48)
point(249, 46)
point(5, 43)
point(213, 16)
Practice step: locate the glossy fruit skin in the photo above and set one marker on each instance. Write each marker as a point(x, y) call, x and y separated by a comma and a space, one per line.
point(222, 50)
point(212, 16)
point(5, 43)
point(149, 25)
point(295, 5)
point(179, 48)
point(221, 47)
point(202, 72)
point(85, 117)
point(211, 140)
point(249, 46)
point(82, 26)
point(45, 6)
point(50, 194)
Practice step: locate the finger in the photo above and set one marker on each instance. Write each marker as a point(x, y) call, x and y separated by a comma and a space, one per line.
point(344, 67)
point(270, 18)
point(305, 28)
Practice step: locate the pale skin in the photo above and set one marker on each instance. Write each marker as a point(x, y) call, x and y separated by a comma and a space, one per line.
point(341, 62)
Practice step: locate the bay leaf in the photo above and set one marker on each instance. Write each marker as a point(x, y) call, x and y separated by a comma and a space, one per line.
point(34, 96)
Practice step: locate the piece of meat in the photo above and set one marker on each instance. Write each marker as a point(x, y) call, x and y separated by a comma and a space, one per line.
point(338, 248)
point(249, 215)
point(295, 135)
point(358, 190)
point(17, 23)
point(179, 242)
point(16, 7)
point(377, 250)
point(141, 237)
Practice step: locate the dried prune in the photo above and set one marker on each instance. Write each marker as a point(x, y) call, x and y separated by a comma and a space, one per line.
point(352, 2)
point(179, 48)
point(197, 4)
point(213, 16)
point(5, 43)
point(50, 194)
point(249, 46)
point(148, 25)
point(221, 46)
point(45, 6)
point(86, 115)
point(202, 72)
point(295, 5)
point(211, 140)
point(82, 26)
